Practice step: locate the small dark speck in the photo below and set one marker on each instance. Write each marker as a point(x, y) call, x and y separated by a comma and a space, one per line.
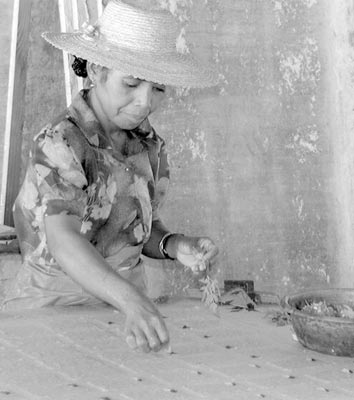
point(348, 371)
point(110, 322)
point(199, 373)
point(139, 380)
point(313, 359)
point(254, 356)
point(185, 327)
point(228, 347)
point(326, 390)
point(291, 377)
point(173, 390)
point(73, 384)
point(5, 392)
point(105, 398)
point(233, 383)
point(206, 336)
point(262, 395)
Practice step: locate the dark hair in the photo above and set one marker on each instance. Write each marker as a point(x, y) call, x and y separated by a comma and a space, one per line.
point(79, 67)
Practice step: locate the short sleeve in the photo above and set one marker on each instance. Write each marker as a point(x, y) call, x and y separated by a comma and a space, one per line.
point(58, 173)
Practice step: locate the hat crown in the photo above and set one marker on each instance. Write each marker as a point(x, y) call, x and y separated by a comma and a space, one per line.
point(138, 28)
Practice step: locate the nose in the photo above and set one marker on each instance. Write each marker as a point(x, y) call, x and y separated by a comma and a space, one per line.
point(144, 96)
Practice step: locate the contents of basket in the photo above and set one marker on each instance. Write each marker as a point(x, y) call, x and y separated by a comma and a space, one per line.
point(322, 308)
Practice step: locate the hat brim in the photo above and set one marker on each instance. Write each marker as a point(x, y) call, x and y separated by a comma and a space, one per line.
point(174, 69)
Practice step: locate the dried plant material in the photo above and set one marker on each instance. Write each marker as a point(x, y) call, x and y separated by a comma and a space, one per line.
point(321, 308)
point(210, 288)
point(210, 293)
point(280, 318)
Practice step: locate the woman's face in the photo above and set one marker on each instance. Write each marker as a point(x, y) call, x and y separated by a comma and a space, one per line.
point(123, 101)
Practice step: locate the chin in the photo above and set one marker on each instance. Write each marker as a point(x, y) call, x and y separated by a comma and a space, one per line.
point(129, 125)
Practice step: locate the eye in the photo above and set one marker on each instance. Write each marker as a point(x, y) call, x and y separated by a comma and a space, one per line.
point(160, 88)
point(132, 83)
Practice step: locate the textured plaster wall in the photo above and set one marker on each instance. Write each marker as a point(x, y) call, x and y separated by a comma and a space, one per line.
point(263, 162)
point(340, 78)
point(253, 159)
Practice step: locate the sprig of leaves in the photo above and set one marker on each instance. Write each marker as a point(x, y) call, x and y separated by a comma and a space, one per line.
point(210, 293)
point(210, 288)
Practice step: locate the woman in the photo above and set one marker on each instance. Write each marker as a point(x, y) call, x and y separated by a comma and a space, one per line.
point(88, 207)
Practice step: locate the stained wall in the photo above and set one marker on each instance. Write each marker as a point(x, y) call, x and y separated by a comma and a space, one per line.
point(255, 161)
point(339, 77)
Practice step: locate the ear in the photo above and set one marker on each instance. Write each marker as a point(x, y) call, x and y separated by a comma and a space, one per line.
point(93, 72)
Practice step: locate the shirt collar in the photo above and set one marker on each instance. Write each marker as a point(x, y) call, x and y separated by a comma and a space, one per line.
point(83, 116)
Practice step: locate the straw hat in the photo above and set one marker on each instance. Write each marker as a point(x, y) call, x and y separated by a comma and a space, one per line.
point(137, 41)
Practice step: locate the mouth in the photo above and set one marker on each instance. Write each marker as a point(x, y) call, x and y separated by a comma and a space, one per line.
point(136, 119)
point(137, 116)
point(133, 120)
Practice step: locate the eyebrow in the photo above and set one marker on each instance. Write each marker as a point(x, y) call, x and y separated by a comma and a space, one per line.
point(131, 77)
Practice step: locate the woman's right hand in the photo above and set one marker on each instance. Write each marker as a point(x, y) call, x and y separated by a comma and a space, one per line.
point(145, 328)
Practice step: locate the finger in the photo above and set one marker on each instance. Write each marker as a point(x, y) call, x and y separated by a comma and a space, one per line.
point(203, 265)
point(210, 250)
point(212, 263)
point(212, 257)
point(197, 267)
point(161, 331)
point(153, 339)
point(205, 243)
point(131, 341)
point(141, 341)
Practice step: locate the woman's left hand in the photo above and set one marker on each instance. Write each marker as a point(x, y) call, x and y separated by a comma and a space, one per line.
point(197, 253)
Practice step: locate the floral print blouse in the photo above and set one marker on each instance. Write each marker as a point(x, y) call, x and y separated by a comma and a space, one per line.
point(74, 169)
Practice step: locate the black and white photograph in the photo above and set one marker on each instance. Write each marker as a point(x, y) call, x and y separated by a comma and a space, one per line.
point(177, 200)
